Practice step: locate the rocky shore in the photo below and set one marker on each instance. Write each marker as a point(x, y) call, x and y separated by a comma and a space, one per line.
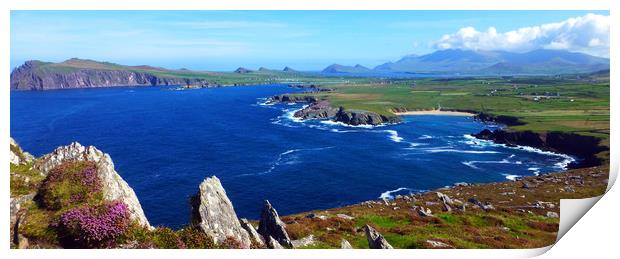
point(585, 148)
point(322, 109)
point(49, 209)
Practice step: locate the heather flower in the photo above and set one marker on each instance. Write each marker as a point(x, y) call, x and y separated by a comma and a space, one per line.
point(71, 184)
point(95, 226)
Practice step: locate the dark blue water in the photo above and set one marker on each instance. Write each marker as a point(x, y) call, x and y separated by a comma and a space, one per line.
point(164, 143)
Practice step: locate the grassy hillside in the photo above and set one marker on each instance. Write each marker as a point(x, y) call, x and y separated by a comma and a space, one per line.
point(578, 104)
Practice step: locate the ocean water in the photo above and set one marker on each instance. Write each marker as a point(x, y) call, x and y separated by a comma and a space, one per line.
point(164, 143)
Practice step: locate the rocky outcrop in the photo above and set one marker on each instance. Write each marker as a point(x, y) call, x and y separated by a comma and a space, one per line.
point(114, 187)
point(502, 119)
point(584, 147)
point(360, 117)
point(376, 240)
point(317, 110)
point(17, 156)
point(306, 241)
point(243, 70)
point(37, 75)
point(216, 215)
point(254, 236)
point(286, 98)
point(270, 226)
point(344, 244)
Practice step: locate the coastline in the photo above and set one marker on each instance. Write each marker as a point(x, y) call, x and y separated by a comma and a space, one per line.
point(435, 112)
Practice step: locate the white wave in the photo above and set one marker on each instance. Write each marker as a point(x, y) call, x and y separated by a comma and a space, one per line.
point(511, 177)
point(439, 150)
point(338, 123)
point(413, 144)
point(563, 165)
point(535, 170)
point(281, 159)
point(393, 135)
point(425, 137)
point(387, 195)
point(503, 161)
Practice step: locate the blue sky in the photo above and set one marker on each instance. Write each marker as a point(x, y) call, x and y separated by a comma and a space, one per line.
point(305, 40)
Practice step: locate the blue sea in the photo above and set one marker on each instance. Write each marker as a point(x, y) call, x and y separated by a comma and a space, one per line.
point(164, 143)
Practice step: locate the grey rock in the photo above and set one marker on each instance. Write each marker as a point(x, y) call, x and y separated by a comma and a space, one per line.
point(345, 216)
point(254, 236)
point(376, 240)
point(551, 214)
point(270, 225)
point(444, 198)
point(438, 244)
point(344, 244)
point(485, 206)
point(360, 117)
point(216, 215)
point(424, 212)
point(306, 241)
point(114, 187)
point(273, 244)
point(317, 110)
point(17, 156)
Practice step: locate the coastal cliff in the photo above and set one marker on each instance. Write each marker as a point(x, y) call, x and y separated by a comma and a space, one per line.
point(585, 148)
point(78, 73)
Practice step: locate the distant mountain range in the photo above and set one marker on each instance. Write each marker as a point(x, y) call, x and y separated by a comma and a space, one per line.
point(336, 68)
point(457, 61)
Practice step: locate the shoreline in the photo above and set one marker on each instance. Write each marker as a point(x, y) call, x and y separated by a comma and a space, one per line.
point(435, 112)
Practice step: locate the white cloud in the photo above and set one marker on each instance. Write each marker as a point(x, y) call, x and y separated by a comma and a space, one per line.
point(588, 33)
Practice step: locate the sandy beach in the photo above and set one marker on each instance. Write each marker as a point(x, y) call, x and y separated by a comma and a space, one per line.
point(435, 112)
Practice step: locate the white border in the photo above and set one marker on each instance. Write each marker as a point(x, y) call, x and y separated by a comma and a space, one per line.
point(596, 239)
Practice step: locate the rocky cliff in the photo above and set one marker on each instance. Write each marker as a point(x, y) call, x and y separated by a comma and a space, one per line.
point(74, 73)
point(114, 187)
point(360, 117)
point(584, 147)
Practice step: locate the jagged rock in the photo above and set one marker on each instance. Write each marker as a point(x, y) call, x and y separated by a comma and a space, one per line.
point(17, 156)
point(359, 117)
point(273, 244)
point(376, 240)
point(551, 214)
point(254, 236)
point(438, 244)
point(114, 187)
point(318, 110)
point(306, 241)
point(445, 198)
point(461, 184)
point(216, 215)
point(424, 212)
point(270, 225)
point(344, 244)
point(485, 206)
